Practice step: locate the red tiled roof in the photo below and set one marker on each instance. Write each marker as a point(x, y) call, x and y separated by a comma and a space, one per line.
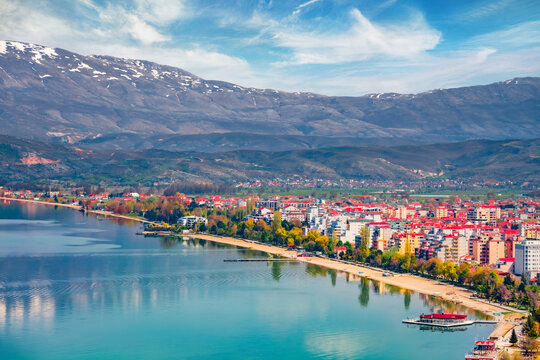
point(443, 316)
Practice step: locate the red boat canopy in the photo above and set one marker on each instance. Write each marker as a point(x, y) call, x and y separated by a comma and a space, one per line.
point(484, 343)
point(443, 316)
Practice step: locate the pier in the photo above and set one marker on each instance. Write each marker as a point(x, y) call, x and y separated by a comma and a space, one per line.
point(448, 325)
point(259, 260)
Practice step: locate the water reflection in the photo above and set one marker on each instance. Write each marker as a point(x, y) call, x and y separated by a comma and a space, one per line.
point(364, 291)
point(439, 329)
point(407, 299)
point(168, 242)
point(433, 303)
point(276, 267)
point(315, 270)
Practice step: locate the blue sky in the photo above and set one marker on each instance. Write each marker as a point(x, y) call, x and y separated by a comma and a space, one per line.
point(334, 47)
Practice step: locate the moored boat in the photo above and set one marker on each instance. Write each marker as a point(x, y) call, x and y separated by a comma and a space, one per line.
point(440, 320)
point(483, 350)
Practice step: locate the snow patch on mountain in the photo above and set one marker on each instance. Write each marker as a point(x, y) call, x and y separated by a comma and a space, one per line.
point(38, 51)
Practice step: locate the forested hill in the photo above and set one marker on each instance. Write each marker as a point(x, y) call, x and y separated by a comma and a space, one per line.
point(26, 161)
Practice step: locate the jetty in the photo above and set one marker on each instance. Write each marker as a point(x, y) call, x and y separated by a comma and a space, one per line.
point(260, 260)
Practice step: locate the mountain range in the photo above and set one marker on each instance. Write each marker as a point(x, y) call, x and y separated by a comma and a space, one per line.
point(65, 116)
point(103, 102)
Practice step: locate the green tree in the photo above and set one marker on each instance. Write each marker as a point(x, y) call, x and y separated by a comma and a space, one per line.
point(513, 337)
point(508, 281)
point(530, 327)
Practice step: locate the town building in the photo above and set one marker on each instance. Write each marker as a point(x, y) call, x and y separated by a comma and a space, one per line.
point(527, 259)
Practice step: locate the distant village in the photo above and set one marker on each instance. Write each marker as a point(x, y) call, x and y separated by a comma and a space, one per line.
point(427, 182)
point(501, 234)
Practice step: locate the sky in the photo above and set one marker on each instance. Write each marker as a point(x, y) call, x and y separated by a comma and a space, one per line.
point(332, 47)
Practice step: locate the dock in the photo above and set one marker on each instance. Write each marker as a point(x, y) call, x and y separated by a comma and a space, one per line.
point(450, 325)
point(260, 260)
point(441, 325)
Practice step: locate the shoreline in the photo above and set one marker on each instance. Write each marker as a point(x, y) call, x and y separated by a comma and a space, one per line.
point(79, 207)
point(451, 293)
point(405, 281)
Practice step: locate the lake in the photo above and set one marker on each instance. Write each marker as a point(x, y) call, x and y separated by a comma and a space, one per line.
point(74, 286)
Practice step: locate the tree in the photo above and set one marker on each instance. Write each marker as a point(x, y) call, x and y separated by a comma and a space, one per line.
point(276, 222)
point(248, 230)
point(322, 242)
point(508, 281)
point(295, 236)
point(296, 222)
point(530, 327)
point(364, 245)
point(513, 337)
point(407, 249)
point(312, 236)
point(281, 235)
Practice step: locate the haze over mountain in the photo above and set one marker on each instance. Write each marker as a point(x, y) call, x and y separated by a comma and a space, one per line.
point(104, 102)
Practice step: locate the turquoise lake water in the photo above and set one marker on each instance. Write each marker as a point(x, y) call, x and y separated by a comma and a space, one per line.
point(74, 286)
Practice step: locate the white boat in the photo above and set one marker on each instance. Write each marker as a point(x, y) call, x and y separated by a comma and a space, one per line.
point(441, 320)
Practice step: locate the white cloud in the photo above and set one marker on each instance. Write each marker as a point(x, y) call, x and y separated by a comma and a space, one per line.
point(141, 22)
point(366, 57)
point(454, 69)
point(107, 30)
point(490, 7)
point(364, 40)
point(207, 64)
point(139, 30)
point(301, 6)
point(161, 12)
point(524, 34)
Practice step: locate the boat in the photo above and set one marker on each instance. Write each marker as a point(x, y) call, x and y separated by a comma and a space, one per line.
point(440, 320)
point(483, 350)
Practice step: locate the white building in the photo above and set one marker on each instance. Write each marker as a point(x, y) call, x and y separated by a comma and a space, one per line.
point(190, 221)
point(527, 257)
point(290, 212)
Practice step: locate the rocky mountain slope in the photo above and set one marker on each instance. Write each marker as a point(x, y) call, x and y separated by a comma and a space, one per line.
point(56, 95)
